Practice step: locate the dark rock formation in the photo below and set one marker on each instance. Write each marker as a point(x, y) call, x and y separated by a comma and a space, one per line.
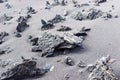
point(22, 26)
point(31, 10)
point(64, 28)
point(90, 14)
point(48, 44)
point(46, 25)
point(26, 69)
point(57, 19)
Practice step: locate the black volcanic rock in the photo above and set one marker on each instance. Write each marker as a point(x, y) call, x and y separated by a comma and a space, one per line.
point(22, 26)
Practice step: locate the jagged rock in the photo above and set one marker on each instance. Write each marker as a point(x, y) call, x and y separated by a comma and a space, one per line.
point(94, 14)
point(3, 35)
point(69, 61)
point(50, 24)
point(64, 28)
point(47, 43)
point(46, 25)
point(70, 41)
point(102, 70)
point(57, 19)
point(26, 69)
point(31, 10)
point(90, 14)
point(22, 26)
point(23, 19)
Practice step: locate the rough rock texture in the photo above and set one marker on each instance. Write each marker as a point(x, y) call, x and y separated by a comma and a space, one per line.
point(46, 25)
point(57, 19)
point(26, 69)
point(22, 26)
point(102, 70)
point(47, 43)
point(90, 14)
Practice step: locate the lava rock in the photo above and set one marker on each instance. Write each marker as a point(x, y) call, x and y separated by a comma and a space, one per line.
point(26, 69)
point(22, 26)
point(90, 14)
point(31, 10)
point(57, 19)
point(47, 44)
point(46, 25)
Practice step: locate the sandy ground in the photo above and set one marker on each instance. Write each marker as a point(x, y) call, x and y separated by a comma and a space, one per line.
point(102, 40)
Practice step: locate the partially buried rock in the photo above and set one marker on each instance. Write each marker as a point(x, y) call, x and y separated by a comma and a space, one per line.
point(22, 26)
point(64, 28)
point(89, 14)
point(26, 69)
point(69, 61)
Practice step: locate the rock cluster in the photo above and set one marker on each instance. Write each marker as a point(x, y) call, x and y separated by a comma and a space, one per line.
point(47, 44)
